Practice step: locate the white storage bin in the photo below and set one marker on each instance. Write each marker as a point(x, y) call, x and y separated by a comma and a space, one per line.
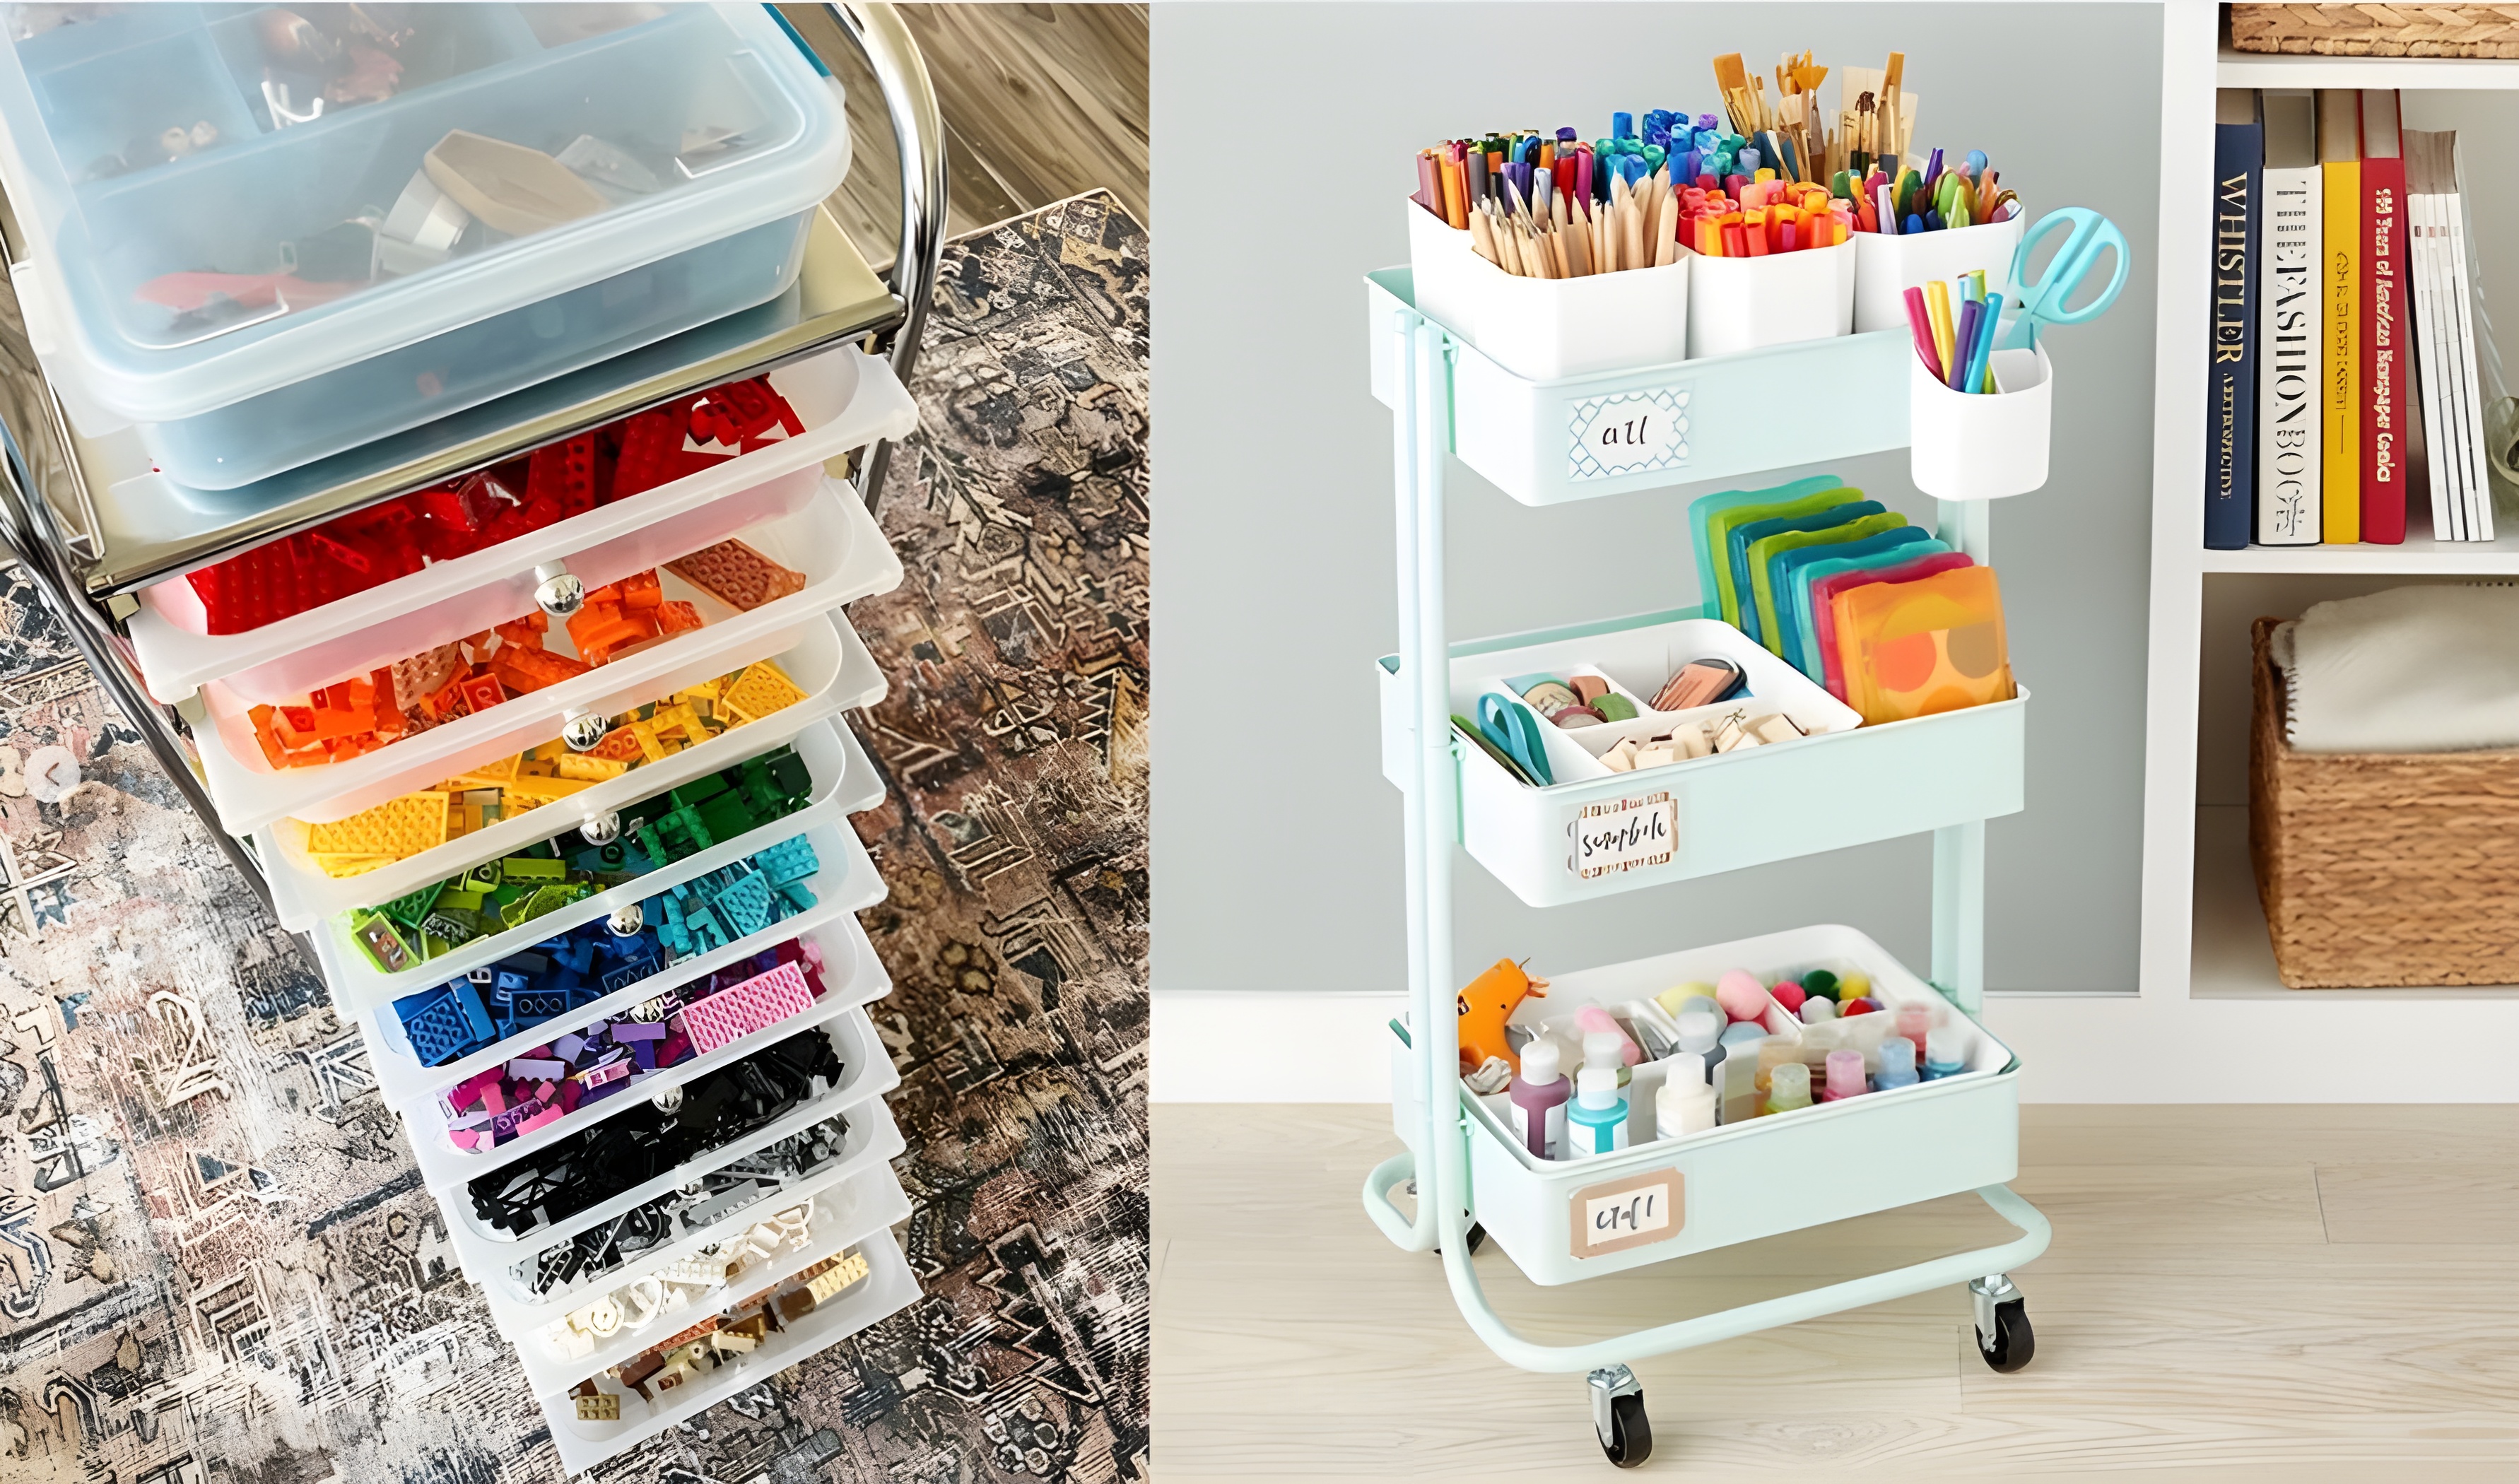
point(844, 398)
point(445, 1168)
point(1823, 792)
point(831, 542)
point(888, 1288)
point(867, 1076)
point(1886, 267)
point(1740, 1182)
point(713, 139)
point(828, 662)
point(1547, 329)
point(504, 1277)
point(1652, 427)
point(1442, 256)
point(1749, 303)
point(841, 774)
point(1983, 444)
point(844, 1214)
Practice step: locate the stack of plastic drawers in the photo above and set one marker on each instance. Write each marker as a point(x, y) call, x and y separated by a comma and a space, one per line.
point(544, 756)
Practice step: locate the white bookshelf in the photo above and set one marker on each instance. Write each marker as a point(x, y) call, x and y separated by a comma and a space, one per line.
point(2207, 970)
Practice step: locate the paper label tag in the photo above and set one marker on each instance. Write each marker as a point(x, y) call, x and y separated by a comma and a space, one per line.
point(1626, 834)
point(1630, 433)
point(1631, 1211)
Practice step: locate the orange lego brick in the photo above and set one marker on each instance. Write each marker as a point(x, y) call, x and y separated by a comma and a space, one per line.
point(481, 691)
point(526, 633)
point(619, 745)
point(737, 575)
point(641, 590)
point(424, 674)
point(532, 669)
point(677, 616)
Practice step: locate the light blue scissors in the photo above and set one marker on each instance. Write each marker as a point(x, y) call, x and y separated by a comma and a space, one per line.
point(2043, 302)
point(1514, 732)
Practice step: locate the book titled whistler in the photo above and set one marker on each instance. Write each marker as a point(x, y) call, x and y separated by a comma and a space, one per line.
point(2231, 380)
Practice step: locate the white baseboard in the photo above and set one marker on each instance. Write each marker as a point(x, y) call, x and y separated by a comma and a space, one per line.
point(1222, 1046)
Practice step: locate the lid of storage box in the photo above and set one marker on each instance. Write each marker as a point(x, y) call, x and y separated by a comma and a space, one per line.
point(221, 200)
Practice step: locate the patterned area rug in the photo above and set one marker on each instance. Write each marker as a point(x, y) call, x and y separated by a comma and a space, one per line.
point(216, 1263)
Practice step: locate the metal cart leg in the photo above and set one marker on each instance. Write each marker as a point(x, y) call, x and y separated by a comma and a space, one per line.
point(1438, 1159)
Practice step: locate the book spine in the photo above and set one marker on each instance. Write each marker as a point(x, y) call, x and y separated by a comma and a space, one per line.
point(2384, 322)
point(2288, 346)
point(2340, 325)
point(2231, 444)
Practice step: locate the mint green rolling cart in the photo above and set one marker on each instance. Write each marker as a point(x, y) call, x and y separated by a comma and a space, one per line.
point(1472, 1179)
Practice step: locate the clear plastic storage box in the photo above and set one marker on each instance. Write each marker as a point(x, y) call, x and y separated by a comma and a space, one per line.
point(265, 236)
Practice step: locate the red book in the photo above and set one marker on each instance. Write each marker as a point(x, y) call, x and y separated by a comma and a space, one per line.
point(2387, 325)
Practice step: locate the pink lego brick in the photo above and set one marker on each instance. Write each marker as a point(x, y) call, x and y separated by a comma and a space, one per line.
point(463, 1138)
point(759, 1002)
point(492, 1099)
point(610, 1071)
point(547, 1116)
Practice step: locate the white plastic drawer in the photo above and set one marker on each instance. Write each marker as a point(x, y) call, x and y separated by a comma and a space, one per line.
point(828, 662)
point(1845, 1158)
point(852, 1211)
point(867, 1074)
point(851, 977)
point(504, 1277)
point(359, 985)
point(888, 1288)
point(844, 398)
point(1823, 792)
point(841, 555)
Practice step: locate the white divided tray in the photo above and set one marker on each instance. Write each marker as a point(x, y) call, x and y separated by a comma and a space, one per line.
point(832, 542)
point(1650, 428)
point(1738, 1182)
point(828, 662)
point(844, 398)
point(867, 1074)
point(840, 773)
point(887, 1289)
point(851, 977)
point(844, 1214)
point(1823, 792)
point(873, 1141)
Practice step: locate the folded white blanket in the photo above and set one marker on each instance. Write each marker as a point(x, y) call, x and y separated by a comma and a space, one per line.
point(2411, 669)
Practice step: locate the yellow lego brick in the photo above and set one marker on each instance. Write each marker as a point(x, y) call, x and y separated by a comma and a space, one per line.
point(761, 689)
point(705, 690)
point(598, 1408)
point(839, 1277)
point(649, 746)
point(591, 769)
point(488, 775)
point(543, 790)
point(395, 829)
point(333, 865)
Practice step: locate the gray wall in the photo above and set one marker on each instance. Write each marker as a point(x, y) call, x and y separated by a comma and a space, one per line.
point(1277, 850)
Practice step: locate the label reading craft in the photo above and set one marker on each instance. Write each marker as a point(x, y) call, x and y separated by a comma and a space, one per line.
point(1630, 433)
point(1630, 1211)
point(1624, 834)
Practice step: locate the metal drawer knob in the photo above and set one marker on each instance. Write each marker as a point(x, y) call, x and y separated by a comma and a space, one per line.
point(602, 829)
point(557, 590)
point(585, 731)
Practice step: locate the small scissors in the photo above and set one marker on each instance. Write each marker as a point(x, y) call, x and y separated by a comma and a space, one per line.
point(2043, 302)
point(1514, 731)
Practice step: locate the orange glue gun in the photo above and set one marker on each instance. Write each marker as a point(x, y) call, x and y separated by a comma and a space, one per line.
point(1485, 1005)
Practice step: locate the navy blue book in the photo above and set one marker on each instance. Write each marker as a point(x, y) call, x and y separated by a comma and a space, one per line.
point(2231, 372)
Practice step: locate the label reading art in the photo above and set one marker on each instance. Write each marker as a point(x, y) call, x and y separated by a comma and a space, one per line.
point(1627, 1212)
point(1630, 433)
point(1623, 835)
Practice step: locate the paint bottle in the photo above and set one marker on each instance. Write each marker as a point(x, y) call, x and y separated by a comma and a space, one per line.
point(1914, 1020)
point(1897, 1065)
point(1607, 1051)
point(1791, 1090)
point(1845, 1077)
point(1539, 1093)
point(1945, 1054)
point(1686, 1103)
point(1596, 1122)
point(1701, 1027)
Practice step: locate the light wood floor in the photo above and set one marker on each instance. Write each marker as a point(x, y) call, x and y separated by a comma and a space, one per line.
point(1040, 103)
point(2232, 1293)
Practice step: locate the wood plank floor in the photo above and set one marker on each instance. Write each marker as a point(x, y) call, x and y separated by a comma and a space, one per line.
point(2232, 1293)
point(1040, 103)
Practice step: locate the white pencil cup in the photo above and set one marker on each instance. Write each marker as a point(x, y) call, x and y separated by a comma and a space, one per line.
point(1982, 444)
point(1549, 328)
point(1738, 304)
point(1886, 267)
point(1439, 260)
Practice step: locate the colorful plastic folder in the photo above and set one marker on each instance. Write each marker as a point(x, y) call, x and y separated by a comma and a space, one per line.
point(1798, 571)
point(1923, 647)
point(1711, 518)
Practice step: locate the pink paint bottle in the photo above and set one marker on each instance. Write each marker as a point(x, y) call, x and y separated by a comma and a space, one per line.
point(1914, 1020)
point(1539, 1092)
point(1845, 1077)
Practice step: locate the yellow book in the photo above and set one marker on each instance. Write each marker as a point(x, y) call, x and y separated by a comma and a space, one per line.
point(2339, 156)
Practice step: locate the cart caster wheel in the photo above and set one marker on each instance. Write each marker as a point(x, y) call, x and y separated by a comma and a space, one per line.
point(1618, 1417)
point(1478, 1237)
point(2013, 1344)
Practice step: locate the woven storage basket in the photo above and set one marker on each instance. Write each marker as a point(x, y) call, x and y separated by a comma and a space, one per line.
point(2381, 868)
point(2378, 30)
